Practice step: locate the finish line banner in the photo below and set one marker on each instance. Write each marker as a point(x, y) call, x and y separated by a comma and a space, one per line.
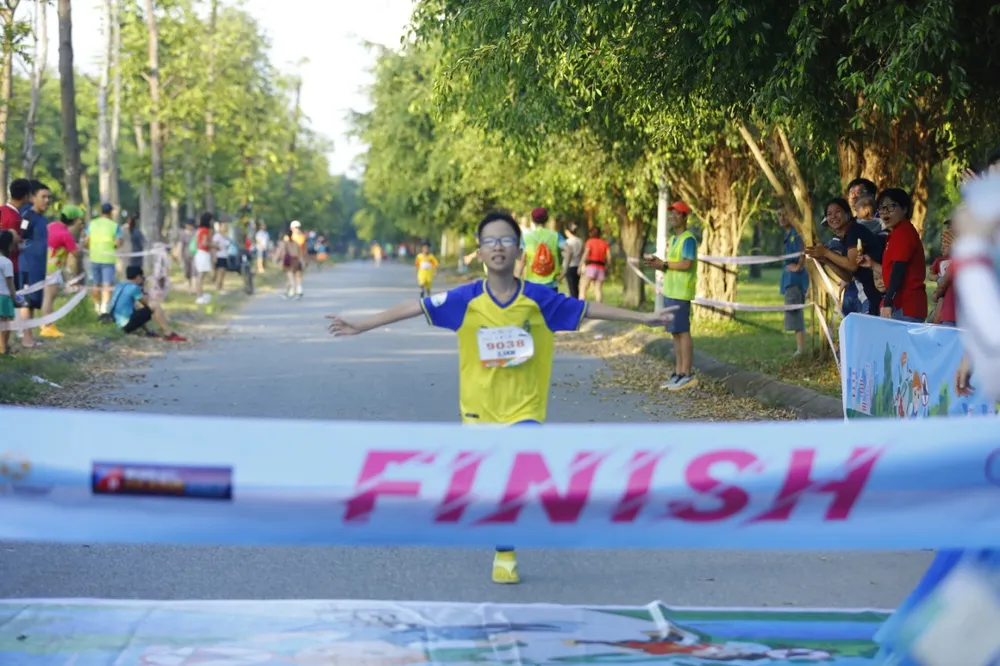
point(892, 369)
point(93, 477)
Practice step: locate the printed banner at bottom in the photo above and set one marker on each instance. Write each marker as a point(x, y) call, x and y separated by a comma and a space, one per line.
point(388, 633)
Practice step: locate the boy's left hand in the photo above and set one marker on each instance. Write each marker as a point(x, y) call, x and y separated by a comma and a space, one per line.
point(661, 318)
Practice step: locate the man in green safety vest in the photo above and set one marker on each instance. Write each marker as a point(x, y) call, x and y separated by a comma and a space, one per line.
point(542, 252)
point(102, 239)
point(680, 271)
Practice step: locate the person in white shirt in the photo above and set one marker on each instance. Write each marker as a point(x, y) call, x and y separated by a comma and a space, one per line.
point(221, 244)
point(262, 241)
point(8, 289)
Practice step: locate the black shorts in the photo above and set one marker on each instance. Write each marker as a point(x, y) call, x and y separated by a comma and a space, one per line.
point(34, 299)
point(220, 262)
point(140, 317)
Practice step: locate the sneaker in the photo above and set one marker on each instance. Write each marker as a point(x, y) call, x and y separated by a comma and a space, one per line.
point(684, 382)
point(505, 568)
point(50, 331)
point(173, 337)
point(669, 384)
point(298, 297)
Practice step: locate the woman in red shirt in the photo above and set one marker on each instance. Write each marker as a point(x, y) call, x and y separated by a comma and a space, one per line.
point(903, 266)
point(595, 260)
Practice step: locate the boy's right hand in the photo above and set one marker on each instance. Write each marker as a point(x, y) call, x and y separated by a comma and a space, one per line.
point(340, 327)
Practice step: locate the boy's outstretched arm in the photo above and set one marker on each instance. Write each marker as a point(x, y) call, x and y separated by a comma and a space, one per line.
point(405, 310)
point(610, 313)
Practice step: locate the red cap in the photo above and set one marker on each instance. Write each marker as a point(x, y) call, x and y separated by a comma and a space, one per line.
point(680, 207)
point(539, 215)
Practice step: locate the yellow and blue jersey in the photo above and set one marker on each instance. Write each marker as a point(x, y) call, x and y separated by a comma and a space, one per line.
point(512, 394)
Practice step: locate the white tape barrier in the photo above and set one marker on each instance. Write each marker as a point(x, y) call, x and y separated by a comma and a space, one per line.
point(752, 260)
point(745, 307)
point(127, 255)
point(52, 278)
point(21, 325)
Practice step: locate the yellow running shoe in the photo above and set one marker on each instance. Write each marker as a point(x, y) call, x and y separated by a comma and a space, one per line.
point(50, 331)
point(505, 568)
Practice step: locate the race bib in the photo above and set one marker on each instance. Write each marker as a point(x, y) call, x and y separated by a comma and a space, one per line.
point(504, 346)
point(426, 265)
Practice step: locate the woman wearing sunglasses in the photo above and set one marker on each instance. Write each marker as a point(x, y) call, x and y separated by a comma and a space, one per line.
point(904, 265)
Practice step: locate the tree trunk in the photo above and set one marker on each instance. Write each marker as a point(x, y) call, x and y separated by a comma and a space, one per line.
point(292, 144)
point(153, 228)
point(104, 166)
point(630, 232)
point(29, 156)
point(116, 101)
point(755, 269)
point(849, 160)
point(210, 112)
point(7, 10)
point(190, 211)
point(67, 81)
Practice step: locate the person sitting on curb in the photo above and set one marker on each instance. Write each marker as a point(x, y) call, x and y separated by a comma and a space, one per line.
point(130, 318)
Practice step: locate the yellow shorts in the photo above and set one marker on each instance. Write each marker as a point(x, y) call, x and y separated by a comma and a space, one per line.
point(425, 278)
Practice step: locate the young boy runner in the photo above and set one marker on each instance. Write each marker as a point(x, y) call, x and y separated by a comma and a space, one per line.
point(506, 339)
point(427, 265)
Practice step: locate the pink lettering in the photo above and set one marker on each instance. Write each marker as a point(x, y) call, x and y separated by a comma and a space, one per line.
point(459, 488)
point(531, 472)
point(370, 486)
point(846, 491)
point(732, 499)
point(636, 495)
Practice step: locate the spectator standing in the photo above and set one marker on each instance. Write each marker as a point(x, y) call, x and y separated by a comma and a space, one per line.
point(855, 239)
point(8, 289)
point(679, 284)
point(596, 259)
point(184, 253)
point(542, 252)
point(794, 282)
point(572, 258)
point(859, 192)
point(220, 248)
point(61, 245)
point(291, 254)
point(203, 257)
point(903, 267)
point(262, 241)
point(132, 233)
point(102, 239)
point(10, 220)
point(35, 253)
point(944, 295)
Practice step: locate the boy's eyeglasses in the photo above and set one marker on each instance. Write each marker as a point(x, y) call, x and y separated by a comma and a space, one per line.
point(505, 241)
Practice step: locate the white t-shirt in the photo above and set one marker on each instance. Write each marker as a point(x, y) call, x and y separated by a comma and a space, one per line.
point(6, 271)
point(221, 244)
point(575, 246)
point(263, 239)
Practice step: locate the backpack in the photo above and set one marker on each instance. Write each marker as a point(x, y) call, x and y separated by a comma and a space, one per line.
point(543, 264)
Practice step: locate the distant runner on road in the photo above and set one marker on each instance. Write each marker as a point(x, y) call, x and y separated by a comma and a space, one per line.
point(427, 265)
point(506, 339)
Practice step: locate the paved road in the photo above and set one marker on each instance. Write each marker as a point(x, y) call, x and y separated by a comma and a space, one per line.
point(278, 361)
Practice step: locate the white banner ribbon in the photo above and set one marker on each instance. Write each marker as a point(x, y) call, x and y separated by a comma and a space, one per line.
point(751, 260)
point(746, 307)
point(21, 325)
point(52, 278)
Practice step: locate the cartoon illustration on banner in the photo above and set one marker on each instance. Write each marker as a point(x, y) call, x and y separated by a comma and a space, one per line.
point(401, 634)
point(906, 371)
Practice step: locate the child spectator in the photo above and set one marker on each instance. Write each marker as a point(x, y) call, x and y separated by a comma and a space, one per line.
point(944, 295)
point(130, 318)
point(8, 290)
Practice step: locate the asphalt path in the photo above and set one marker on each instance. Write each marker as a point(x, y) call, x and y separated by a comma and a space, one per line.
point(277, 360)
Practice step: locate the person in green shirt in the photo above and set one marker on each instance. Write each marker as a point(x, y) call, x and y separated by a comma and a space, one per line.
point(680, 270)
point(542, 252)
point(102, 239)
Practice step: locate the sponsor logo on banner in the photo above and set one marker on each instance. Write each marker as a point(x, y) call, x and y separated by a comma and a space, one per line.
point(113, 478)
point(15, 476)
point(703, 489)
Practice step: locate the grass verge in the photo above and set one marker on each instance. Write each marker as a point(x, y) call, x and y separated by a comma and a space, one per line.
point(43, 375)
